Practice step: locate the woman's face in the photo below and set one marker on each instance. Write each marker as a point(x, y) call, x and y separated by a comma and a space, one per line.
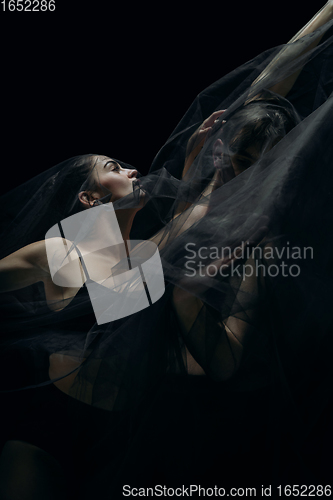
point(242, 160)
point(231, 166)
point(115, 179)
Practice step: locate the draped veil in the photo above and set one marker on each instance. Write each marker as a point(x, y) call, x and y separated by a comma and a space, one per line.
point(272, 375)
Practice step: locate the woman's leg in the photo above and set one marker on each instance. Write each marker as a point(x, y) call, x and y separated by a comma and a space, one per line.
point(30, 473)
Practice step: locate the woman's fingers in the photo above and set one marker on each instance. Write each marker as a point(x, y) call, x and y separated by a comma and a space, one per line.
point(209, 122)
point(205, 128)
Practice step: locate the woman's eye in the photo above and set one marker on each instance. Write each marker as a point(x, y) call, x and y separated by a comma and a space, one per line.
point(115, 167)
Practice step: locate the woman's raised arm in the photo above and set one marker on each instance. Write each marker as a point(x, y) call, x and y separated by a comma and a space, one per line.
point(324, 15)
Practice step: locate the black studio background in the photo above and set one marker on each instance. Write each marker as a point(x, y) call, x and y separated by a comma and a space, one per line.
point(74, 80)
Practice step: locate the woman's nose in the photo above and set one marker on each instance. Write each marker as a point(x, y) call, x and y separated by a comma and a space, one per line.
point(132, 173)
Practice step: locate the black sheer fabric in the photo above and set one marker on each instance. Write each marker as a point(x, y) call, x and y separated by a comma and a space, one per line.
point(134, 415)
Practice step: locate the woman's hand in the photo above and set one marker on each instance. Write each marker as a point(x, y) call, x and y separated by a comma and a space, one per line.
point(202, 132)
point(205, 128)
point(197, 139)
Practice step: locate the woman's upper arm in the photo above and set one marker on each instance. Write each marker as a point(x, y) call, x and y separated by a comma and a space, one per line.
point(290, 52)
point(24, 267)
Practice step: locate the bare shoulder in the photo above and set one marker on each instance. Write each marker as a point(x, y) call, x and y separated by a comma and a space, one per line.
point(29, 255)
point(39, 252)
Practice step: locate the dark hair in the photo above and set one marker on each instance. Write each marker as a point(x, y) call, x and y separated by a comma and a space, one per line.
point(75, 175)
point(261, 122)
point(80, 177)
point(50, 201)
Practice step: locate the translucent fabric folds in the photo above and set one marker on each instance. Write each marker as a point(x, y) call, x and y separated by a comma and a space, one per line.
point(246, 253)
